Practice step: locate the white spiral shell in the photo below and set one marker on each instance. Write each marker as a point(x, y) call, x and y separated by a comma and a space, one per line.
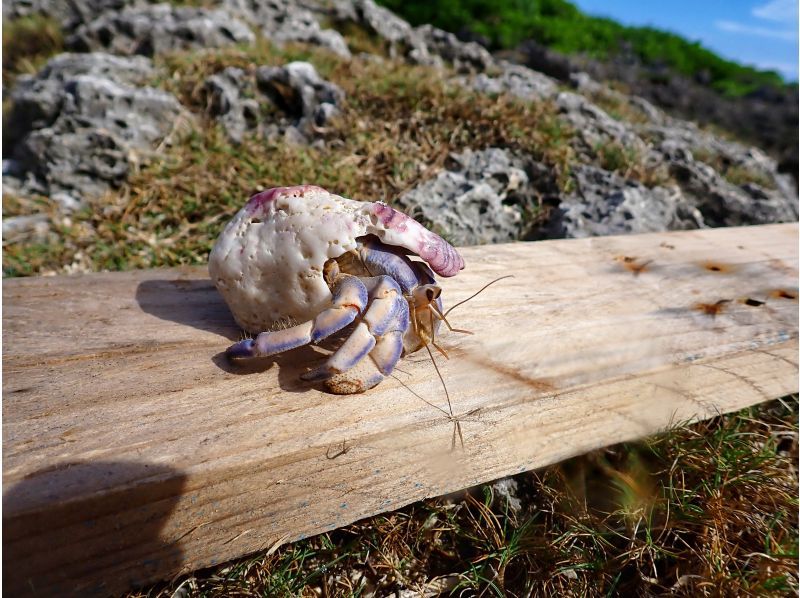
point(268, 261)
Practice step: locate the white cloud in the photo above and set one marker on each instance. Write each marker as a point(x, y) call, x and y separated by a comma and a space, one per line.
point(787, 69)
point(733, 27)
point(784, 11)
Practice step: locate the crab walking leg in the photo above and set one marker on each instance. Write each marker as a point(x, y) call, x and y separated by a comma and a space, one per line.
point(387, 351)
point(386, 319)
point(354, 349)
point(367, 373)
point(349, 299)
point(385, 259)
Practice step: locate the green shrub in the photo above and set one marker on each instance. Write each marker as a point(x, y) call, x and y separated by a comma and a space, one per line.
point(561, 26)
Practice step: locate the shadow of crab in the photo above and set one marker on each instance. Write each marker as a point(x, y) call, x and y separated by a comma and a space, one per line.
point(291, 364)
point(198, 304)
point(190, 302)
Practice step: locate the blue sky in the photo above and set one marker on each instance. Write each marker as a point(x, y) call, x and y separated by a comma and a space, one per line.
point(761, 33)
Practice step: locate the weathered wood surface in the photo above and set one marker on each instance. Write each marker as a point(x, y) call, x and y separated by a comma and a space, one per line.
point(133, 452)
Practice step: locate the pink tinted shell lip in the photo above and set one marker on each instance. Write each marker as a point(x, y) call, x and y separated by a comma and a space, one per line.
point(389, 217)
point(261, 200)
point(442, 257)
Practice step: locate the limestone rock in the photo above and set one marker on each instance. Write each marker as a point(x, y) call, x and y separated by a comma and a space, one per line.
point(480, 198)
point(517, 80)
point(283, 21)
point(69, 14)
point(304, 103)
point(226, 100)
point(81, 122)
point(151, 30)
point(299, 91)
point(726, 204)
point(593, 125)
point(606, 204)
point(465, 57)
point(403, 40)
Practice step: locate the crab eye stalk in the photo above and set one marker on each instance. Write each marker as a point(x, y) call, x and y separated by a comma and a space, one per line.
point(426, 294)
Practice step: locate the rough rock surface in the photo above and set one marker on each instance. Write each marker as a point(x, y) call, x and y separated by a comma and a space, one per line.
point(34, 226)
point(226, 100)
point(594, 126)
point(299, 91)
point(464, 57)
point(480, 198)
point(307, 100)
point(38, 100)
point(403, 40)
point(68, 14)
point(725, 204)
point(519, 81)
point(78, 126)
point(675, 138)
point(83, 124)
point(304, 102)
point(283, 21)
point(157, 29)
point(505, 494)
point(604, 203)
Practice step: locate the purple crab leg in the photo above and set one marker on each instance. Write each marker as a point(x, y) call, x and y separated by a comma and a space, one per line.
point(384, 259)
point(349, 299)
point(387, 351)
point(388, 309)
point(388, 319)
point(354, 349)
point(380, 258)
point(379, 334)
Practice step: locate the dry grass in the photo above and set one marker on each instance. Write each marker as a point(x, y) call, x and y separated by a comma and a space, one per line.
point(618, 106)
point(735, 174)
point(27, 43)
point(399, 125)
point(631, 164)
point(704, 510)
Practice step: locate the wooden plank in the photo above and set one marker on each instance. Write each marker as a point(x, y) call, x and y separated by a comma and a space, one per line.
point(133, 452)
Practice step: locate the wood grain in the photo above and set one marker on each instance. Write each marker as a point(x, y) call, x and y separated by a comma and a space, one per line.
point(132, 452)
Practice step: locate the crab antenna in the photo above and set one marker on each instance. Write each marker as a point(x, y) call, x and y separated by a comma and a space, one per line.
point(478, 293)
point(420, 397)
point(442, 351)
point(436, 367)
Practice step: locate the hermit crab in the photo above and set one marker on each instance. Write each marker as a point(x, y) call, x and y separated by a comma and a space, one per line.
point(298, 264)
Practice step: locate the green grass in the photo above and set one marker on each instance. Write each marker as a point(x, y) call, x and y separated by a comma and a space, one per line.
point(708, 509)
point(630, 164)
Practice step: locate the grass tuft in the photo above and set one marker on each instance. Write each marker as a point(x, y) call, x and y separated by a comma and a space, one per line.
point(736, 174)
point(27, 43)
point(631, 163)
